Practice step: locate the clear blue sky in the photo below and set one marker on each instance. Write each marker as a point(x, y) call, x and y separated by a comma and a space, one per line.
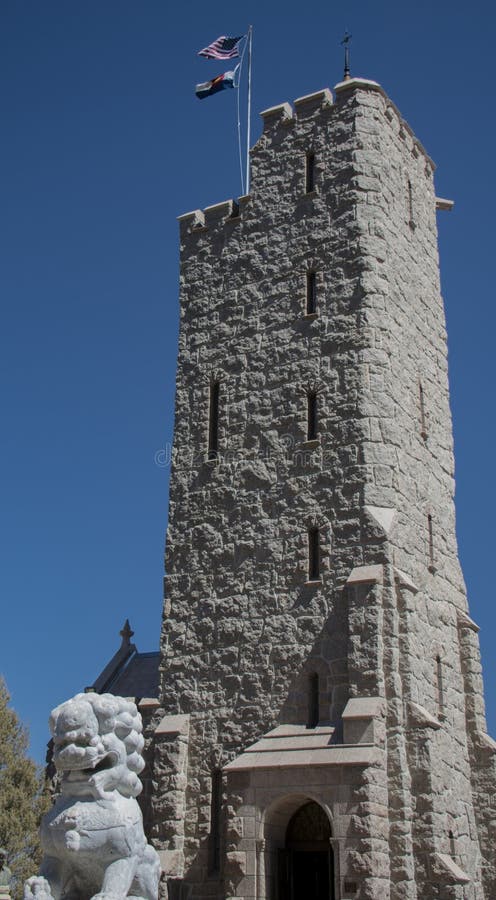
point(103, 145)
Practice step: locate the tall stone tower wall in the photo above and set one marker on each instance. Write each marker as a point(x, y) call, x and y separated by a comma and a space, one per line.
point(368, 668)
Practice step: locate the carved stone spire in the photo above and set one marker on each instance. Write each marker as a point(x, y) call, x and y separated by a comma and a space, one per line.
point(126, 634)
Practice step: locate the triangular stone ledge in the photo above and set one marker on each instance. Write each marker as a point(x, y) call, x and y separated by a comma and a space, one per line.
point(405, 581)
point(486, 742)
point(445, 868)
point(382, 516)
point(421, 717)
point(465, 621)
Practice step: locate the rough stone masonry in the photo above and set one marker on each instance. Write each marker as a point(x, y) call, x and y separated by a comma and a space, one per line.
point(321, 712)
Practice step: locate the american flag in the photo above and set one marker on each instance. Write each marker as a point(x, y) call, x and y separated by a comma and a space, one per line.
point(223, 48)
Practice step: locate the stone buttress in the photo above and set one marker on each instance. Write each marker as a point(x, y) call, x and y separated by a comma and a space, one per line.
point(317, 652)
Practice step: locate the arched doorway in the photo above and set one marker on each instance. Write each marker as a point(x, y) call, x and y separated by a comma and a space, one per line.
point(306, 864)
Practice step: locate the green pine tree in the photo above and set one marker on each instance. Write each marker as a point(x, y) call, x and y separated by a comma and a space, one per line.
point(23, 797)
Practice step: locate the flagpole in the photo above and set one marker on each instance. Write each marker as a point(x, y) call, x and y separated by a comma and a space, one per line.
point(239, 69)
point(250, 42)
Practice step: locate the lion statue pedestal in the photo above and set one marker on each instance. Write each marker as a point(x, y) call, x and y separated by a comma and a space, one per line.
point(93, 839)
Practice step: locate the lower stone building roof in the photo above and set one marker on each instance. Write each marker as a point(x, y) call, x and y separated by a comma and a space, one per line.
point(139, 678)
point(129, 673)
point(296, 745)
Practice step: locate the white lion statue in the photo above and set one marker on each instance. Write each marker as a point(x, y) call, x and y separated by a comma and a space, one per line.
point(93, 839)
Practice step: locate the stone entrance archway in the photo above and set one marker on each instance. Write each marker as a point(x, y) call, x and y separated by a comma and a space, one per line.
point(296, 855)
point(306, 863)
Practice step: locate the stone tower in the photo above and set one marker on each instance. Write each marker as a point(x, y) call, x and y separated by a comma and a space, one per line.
point(322, 730)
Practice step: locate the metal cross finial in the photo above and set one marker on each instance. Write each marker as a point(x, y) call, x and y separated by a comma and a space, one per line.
point(346, 44)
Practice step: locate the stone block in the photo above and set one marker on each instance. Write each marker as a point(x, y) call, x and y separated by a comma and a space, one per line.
point(173, 725)
point(365, 575)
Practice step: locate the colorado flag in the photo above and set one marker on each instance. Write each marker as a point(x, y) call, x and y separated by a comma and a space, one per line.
point(220, 83)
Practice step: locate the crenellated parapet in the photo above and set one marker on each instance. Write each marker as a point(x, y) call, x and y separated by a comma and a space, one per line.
point(280, 123)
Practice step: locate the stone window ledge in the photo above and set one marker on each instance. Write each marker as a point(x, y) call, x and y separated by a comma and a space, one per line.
point(311, 316)
point(310, 445)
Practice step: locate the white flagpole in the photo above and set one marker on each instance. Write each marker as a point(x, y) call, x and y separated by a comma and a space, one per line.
point(238, 69)
point(250, 42)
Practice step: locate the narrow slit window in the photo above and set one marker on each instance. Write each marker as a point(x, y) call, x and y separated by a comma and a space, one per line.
point(312, 416)
point(411, 220)
point(439, 687)
point(215, 820)
point(310, 173)
point(313, 701)
point(452, 844)
point(313, 554)
point(423, 423)
point(213, 421)
point(311, 306)
point(430, 530)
